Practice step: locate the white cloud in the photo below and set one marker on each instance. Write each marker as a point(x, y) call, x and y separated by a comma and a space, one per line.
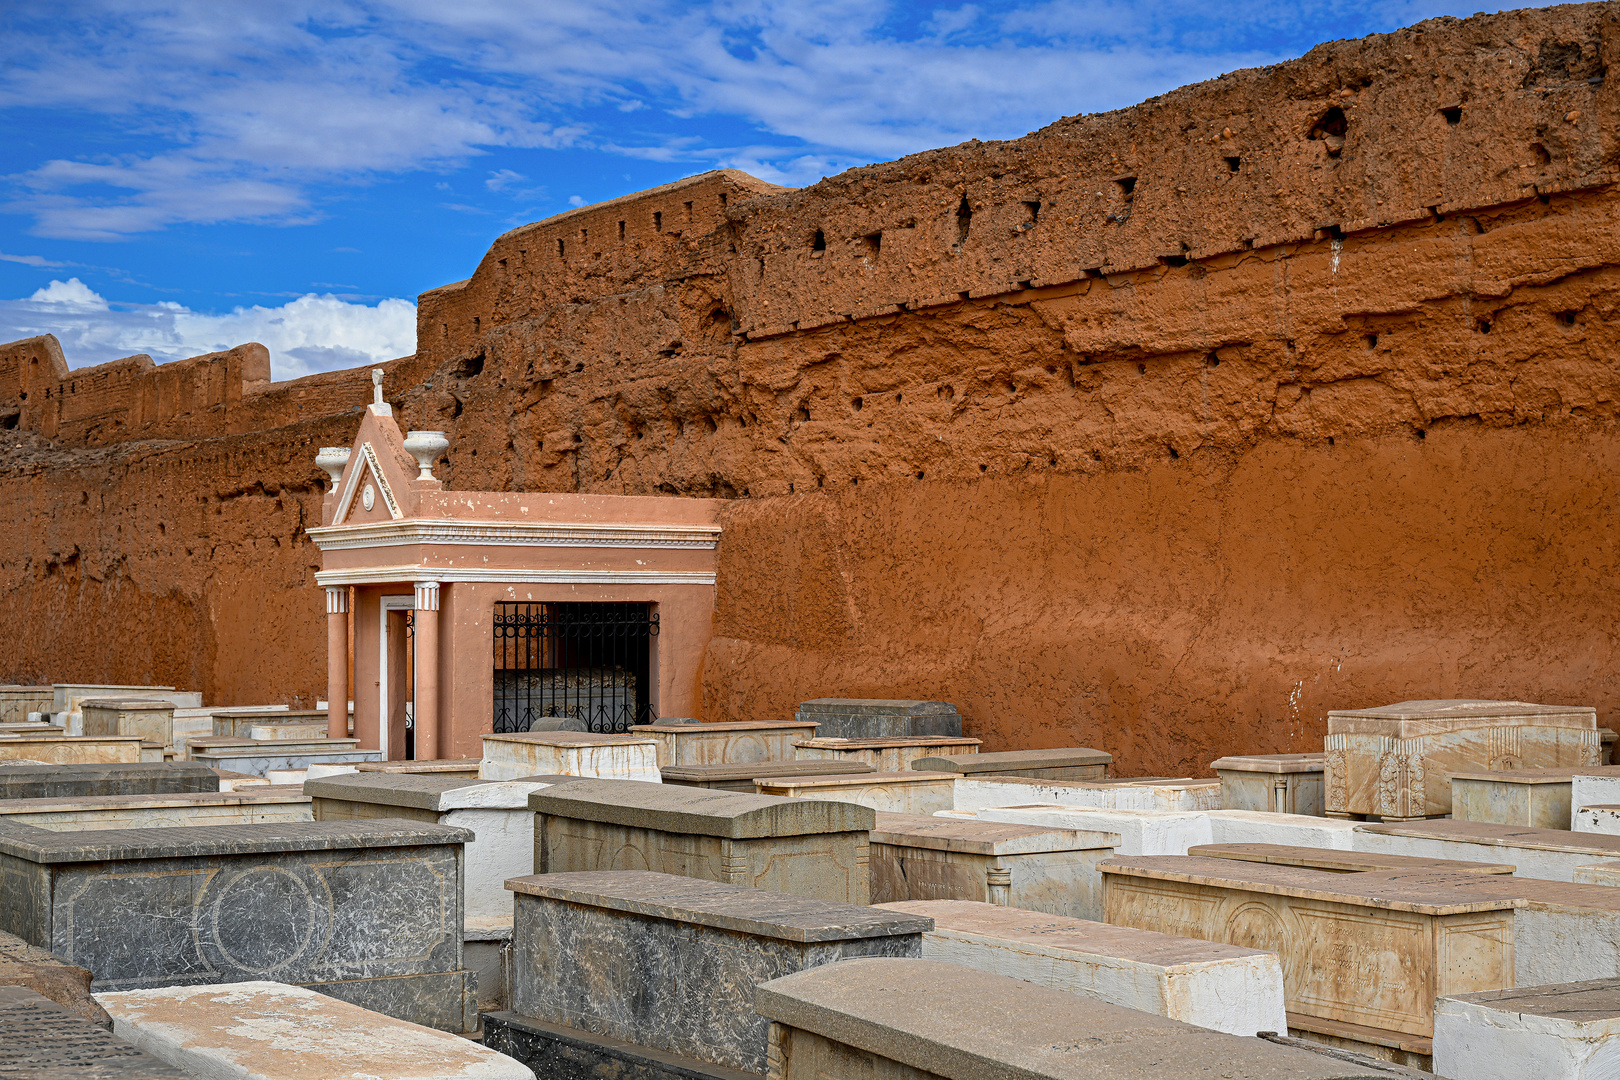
point(309, 334)
point(30, 260)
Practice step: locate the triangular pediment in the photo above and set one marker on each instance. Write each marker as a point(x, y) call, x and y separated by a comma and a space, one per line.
point(375, 475)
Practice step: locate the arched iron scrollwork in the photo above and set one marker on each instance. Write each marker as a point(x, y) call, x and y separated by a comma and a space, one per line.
point(586, 662)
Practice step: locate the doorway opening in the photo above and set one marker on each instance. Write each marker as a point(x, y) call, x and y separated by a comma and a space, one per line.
point(580, 661)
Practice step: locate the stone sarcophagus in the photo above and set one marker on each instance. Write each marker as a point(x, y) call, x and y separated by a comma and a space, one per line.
point(238, 723)
point(728, 743)
point(918, 857)
point(149, 719)
point(878, 718)
point(367, 911)
point(251, 806)
point(73, 749)
point(1068, 763)
point(569, 753)
point(29, 781)
point(742, 777)
point(1396, 761)
point(1272, 783)
point(886, 755)
point(1363, 957)
point(908, 792)
point(799, 846)
point(670, 963)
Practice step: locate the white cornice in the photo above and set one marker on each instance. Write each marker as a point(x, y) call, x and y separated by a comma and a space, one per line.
point(414, 531)
point(378, 575)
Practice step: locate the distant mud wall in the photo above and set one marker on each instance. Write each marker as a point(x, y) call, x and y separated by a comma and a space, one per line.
point(1163, 430)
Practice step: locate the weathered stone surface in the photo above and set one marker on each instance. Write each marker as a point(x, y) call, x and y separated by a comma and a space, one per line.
point(1163, 796)
point(234, 723)
point(726, 777)
point(450, 767)
point(1371, 950)
point(908, 792)
point(916, 858)
point(260, 758)
point(885, 755)
point(270, 1031)
point(1071, 763)
point(1221, 987)
point(573, 753)
point(1569, 1030)
point(48, 975)
point(1259, 827)
point(734, 742)
point(1593, 787)
point(150, 719)
point(672, 962)
point(801, 846)
point(1141, 832)
point(1535, 798)
point(367, 911)
point(1339, 862)
point(1276, 783)
point(73, 749)
point(263, 732)
point(496, 813)
point(1395, 761)
point(1597, 819)
point(875, 718)
point(909, 1019)
point(35, 781)
point(1552, 854)
point(40, 1040)
point(563, 1053)
point(260, 805)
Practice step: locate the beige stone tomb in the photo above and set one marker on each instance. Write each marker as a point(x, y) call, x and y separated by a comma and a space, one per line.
point(909, 792)
point(1535, 798)
point(1276, 783)
point(569, 753)
point(73, 749)
point(149, 719)
point(891, 754)
point(1396, 761)
point(254, 806)
point(734, 742)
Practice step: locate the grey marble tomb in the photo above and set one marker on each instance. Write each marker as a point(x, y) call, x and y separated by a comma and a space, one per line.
point(40, 1040)
point(41, 781)
point(877, 718)
point(366, 911)
point(670, 963)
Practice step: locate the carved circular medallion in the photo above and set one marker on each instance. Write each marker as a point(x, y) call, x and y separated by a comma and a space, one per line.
point(263, 918)
point(368, 497)
point(1256, 926)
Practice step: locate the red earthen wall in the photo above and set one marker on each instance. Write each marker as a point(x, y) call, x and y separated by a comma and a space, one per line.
point(1100, 434)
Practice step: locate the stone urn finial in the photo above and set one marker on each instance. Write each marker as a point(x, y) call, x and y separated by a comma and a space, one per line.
point(425, 447)
point(333, 459)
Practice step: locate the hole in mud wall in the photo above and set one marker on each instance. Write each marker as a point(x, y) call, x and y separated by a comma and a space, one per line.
point(1330, 128)
point(469, 367)
point(1370, 340)
point(9, 422)
point(1422, 434)
point(874, 243)
point(688, 213)
point(1565, 318)
point(1034, 211)
point(1482, 325)
point(857, 404)
point(658, 221)
point(562, 249)
point(722, 200)
point(1141, 369)
point(1233, 164)
point(964, 220)
point(1453, 115)
point(1174, 454)
point(1127, 187)
point(621, 232)
point(818, 242)
point(1540, 154)
point(804, 414)
point(983, 467)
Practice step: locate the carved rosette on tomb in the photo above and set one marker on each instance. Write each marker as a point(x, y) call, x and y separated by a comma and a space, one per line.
point(1396, 762)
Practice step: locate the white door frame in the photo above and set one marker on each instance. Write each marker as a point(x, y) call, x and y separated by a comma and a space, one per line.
point(389, 603)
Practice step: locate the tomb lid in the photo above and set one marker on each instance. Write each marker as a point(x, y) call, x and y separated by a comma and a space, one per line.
point(1070, 934)
point(1409, 719)
point(267, 794)
point(105, 686)
point(783, 916)
point(825, 780)
point(887, 742)
point(127, 704)
point(423, 792)
point(45, 737)
point(1536, 894)
point(1593, 1001)
point(754, 770)
point(282, 715)
point(1064, 758)
point(1271, 763)
point(105, 845)
point(121, 770)
point(445, 765)
point(270, 1029)
point(1457, 894)
point(227, 743)
point(1340, 862)
point(1094, 784)
point(570, 738)
point(876, 707)
point(702, 811)
point(961, 1024)
point(1538, 776)
point(973, 837)
point(729, 725)
point(42, 1039)
point(1493, 835)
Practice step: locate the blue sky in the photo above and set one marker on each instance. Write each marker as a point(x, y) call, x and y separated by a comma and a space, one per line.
point(184, 175)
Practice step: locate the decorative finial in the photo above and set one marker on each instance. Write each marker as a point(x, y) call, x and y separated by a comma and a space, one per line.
point(376, 386)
